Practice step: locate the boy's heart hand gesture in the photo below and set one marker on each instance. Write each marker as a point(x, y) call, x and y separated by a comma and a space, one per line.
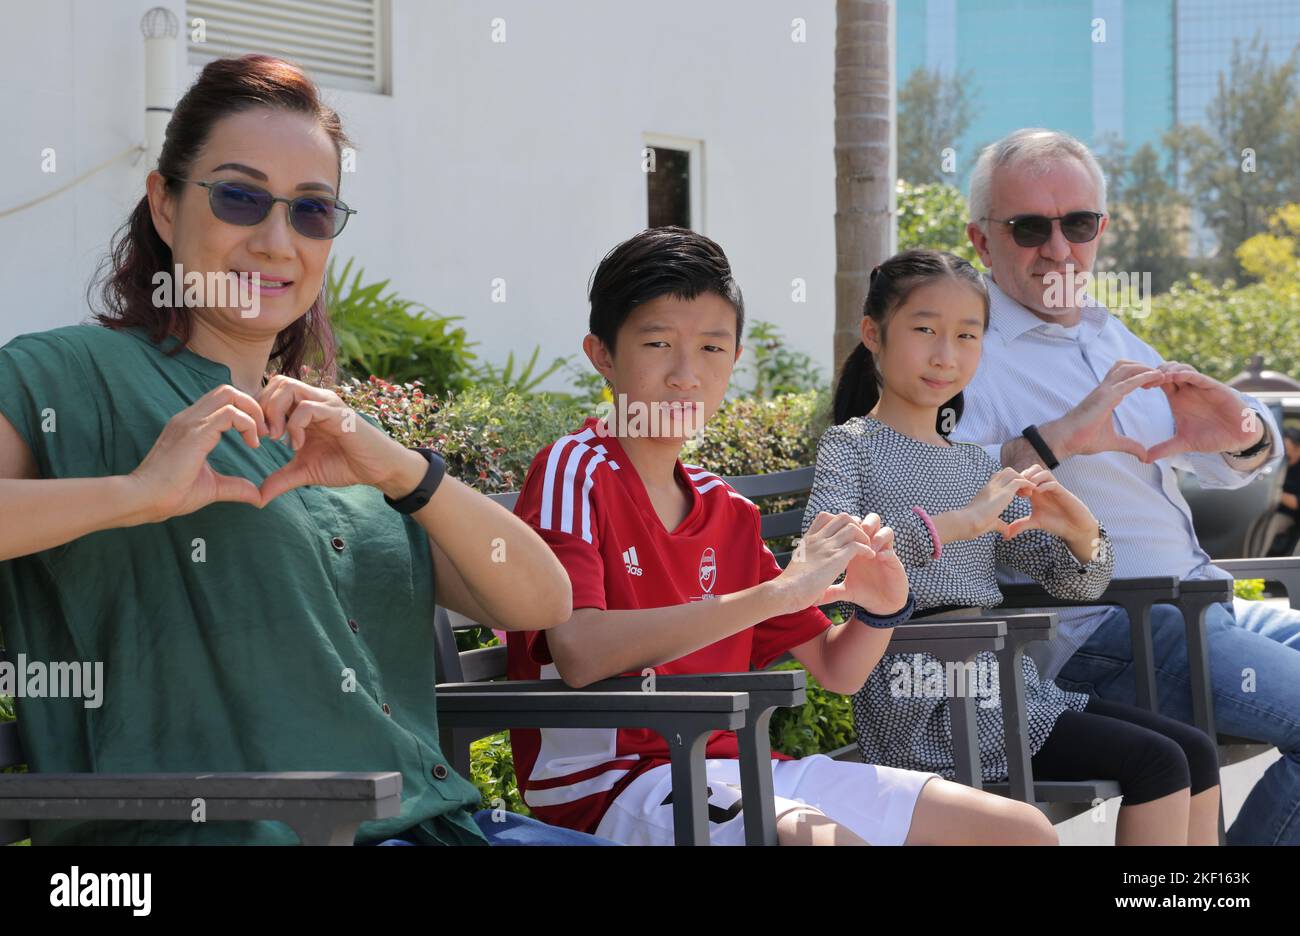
point(984, 513)
point(841, 543)
point(875, 582)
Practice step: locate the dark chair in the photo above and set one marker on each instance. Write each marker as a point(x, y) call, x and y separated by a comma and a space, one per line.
point(323, 808)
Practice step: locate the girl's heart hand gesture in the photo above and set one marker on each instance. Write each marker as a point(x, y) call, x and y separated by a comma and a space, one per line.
point(1052, 508)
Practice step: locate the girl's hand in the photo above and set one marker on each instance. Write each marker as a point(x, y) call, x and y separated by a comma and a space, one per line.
point(984, 512)
point(1054, 509)
point(875, 581)
point(334, 447)
point(175, 479)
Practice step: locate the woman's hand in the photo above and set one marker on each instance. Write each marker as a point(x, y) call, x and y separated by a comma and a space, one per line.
point(175, 478)
point(333, 446)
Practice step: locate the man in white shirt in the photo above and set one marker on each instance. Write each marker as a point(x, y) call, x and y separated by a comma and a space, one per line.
point(1119, 419)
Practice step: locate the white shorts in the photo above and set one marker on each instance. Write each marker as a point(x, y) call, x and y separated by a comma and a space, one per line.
point(874, 802)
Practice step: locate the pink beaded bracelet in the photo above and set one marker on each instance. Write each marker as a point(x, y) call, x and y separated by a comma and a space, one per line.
point(934, 534)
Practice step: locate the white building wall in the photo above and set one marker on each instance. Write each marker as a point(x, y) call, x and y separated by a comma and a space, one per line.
point(518, 160)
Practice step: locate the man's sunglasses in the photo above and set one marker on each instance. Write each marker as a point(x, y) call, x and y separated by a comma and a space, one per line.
point(320, 217)
point(1032, 230)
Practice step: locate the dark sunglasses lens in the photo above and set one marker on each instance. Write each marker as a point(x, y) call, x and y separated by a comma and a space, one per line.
point(1031, 230)
point(317, 217)
point(236, 204)
point(1079, 227)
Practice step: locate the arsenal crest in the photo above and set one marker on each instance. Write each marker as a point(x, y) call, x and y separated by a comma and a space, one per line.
point(708, 570)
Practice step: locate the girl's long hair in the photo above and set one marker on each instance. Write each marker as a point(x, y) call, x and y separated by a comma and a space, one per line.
point(892, 282)
point(126, 278)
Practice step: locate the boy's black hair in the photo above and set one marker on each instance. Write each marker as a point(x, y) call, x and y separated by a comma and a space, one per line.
point(661, 261)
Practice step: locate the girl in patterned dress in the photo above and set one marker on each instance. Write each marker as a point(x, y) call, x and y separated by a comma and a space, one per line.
point(955, 514)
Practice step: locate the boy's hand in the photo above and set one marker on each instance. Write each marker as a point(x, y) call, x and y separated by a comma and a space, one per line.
point(832, 542)
point(876, 583)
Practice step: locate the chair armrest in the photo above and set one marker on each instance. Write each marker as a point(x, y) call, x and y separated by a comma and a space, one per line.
point(953, 640)
point(685, 720)
point(323, 808)
point(583, 709)
point(1284, 569)
point(1153, 589)
point(766, 688)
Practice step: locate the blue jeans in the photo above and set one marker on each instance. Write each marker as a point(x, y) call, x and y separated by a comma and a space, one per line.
point(514, 829)
point(1254, 651)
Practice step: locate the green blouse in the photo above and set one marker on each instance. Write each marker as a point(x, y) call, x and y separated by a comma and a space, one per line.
point(295, 637)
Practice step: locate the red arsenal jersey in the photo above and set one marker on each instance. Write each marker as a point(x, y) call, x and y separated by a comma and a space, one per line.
point(584, 498)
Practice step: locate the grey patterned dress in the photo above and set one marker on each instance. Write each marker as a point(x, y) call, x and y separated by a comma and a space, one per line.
point(900, 714)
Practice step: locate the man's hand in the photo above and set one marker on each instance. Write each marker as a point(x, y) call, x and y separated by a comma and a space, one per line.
point(1089, 428)
point(1208, 416)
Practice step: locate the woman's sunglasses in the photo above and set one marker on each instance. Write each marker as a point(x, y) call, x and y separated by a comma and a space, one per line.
point(320, 217)
point(1032, 230)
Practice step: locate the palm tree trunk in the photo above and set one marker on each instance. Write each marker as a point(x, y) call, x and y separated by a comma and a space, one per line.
point(864, 184)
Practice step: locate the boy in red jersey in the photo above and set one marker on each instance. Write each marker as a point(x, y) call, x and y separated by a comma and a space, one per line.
point(670, 572)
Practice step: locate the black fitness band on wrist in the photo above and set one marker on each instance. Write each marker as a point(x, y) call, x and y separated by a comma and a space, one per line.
point(424, 490)
point(1265, 441)
point(890, 620)
point(1041, 447)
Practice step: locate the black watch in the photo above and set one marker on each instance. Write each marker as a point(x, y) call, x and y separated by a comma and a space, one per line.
point(1044, 450)
point(1264, 442)
point(424, 490)
point(888, 620)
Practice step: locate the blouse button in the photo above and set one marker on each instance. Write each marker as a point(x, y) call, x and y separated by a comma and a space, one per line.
point(337, 543)
point(440, 771)
point(387, 710)
point(353, 624)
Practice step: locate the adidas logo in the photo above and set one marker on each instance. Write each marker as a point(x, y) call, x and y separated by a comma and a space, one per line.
point(629, 560)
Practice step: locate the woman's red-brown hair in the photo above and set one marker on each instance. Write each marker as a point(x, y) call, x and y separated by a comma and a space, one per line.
point(224, 87)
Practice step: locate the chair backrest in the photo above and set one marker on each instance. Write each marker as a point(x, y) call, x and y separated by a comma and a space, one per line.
point(779, 485)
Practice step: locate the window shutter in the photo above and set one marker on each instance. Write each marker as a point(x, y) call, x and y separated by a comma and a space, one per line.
point(341, 43)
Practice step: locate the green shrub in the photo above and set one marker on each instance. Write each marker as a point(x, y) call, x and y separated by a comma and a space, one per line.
point(753, 436)
point(397, 339)
point(933, 215)
point(1248, 589)
point(772, 368)
point(822, 724)
point(1218, 328)
point(488, 439)
point(492, 770)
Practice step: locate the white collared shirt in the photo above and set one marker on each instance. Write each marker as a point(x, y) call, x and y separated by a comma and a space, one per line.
point(1032, 372)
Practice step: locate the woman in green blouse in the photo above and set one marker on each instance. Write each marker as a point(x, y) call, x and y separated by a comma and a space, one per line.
point(220, 541)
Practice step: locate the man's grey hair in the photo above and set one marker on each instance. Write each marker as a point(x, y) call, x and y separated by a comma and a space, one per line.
point(1033, 148)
